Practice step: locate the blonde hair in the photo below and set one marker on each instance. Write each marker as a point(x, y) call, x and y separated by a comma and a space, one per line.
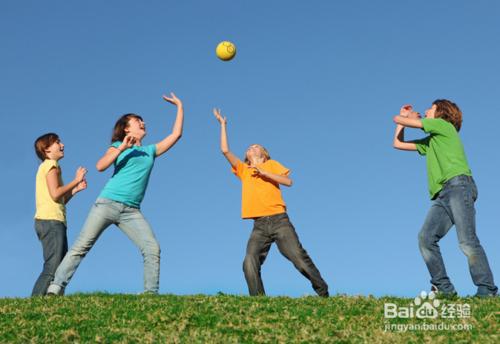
point(264, 151)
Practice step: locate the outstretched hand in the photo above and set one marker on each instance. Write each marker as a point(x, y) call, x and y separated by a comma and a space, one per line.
point(173, 99)
point(218, 116)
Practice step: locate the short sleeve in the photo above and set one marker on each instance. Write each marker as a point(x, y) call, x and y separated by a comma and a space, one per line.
point(116, 144)
point(434, 125)
point(279, 169)
point(422, 145)
point(48, 164)
point(238, 169)
point(151, 150)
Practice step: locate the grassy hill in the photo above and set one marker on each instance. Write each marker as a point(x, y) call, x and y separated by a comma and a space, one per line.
point(232, 319)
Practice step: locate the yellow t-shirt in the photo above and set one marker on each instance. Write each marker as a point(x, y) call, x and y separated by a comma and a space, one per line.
point(46, 208)
point(260, 197)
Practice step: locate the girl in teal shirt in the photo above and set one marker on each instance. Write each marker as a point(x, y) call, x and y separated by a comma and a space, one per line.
point(119, 201)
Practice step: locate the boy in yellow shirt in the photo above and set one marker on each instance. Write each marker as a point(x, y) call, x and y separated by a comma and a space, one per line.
point(51, 198)
point(262, 201)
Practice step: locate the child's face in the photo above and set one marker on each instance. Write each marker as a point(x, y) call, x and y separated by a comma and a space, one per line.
point(255, 151)
point(431, 112)
point(136, 128)
point(55, 151)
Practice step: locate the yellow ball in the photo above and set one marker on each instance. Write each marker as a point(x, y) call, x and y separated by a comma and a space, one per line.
point(225, 50)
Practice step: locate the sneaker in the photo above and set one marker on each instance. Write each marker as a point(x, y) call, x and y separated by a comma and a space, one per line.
point(54, 290)
point(443, 295)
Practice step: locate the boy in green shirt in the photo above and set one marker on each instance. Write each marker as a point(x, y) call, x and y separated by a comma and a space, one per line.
point(452, 190)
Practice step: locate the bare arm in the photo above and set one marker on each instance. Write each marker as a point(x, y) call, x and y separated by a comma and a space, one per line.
point(278, 178)
point(57, 191)
point(79, 187)
point(399, 140)
point(165, 144)
point(407, 118)
point(224, 145)
point(112, 153)
point(408, 122)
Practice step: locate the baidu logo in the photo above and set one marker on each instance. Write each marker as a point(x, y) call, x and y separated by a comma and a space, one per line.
point(423, 306)
point(427, 305)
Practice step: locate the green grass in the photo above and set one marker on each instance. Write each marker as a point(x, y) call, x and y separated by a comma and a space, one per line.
point(228, 319)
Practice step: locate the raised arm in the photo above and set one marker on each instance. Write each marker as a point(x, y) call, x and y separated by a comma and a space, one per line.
point(112, 153)
point(165, 144)
point(224, 145)
point(407, 118)
point(408, 122)
point(58, 192)
point(399, 140)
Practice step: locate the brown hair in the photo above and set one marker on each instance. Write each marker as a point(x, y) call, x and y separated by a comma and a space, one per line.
point(120, 126)
point(449, 111)
point(264, 150)
point(44, 142)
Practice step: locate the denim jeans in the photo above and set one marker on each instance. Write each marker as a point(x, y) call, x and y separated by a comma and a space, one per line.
point(130, 220)
point(278, 228)
point(454, 205)
point(52, 235)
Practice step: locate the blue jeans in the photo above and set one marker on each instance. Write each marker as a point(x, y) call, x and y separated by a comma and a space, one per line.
point(52, 235)
point(454, 205)
point(130, 220)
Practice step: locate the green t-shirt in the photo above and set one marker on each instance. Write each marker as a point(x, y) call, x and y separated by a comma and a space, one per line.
point(444, 151)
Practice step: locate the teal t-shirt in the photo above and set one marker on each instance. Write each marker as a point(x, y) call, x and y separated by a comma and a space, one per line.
point(130, 178)
point(444, 152)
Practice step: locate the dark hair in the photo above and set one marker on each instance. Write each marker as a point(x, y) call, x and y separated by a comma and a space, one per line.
point(120, 126)
point(44, 142)
point(449, 111)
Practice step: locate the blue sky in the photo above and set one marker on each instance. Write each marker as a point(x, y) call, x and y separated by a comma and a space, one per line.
point(315, 82)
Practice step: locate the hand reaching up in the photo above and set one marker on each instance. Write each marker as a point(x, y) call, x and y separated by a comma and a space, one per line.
point(173, 99)
point(218, 116)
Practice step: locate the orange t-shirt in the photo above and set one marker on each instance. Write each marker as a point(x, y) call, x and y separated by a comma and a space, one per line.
point(260, 197)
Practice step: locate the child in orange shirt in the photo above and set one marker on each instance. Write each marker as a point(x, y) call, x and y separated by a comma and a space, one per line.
point(262, 202)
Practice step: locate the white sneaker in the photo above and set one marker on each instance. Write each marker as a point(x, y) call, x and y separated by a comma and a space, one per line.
point(54, 289)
